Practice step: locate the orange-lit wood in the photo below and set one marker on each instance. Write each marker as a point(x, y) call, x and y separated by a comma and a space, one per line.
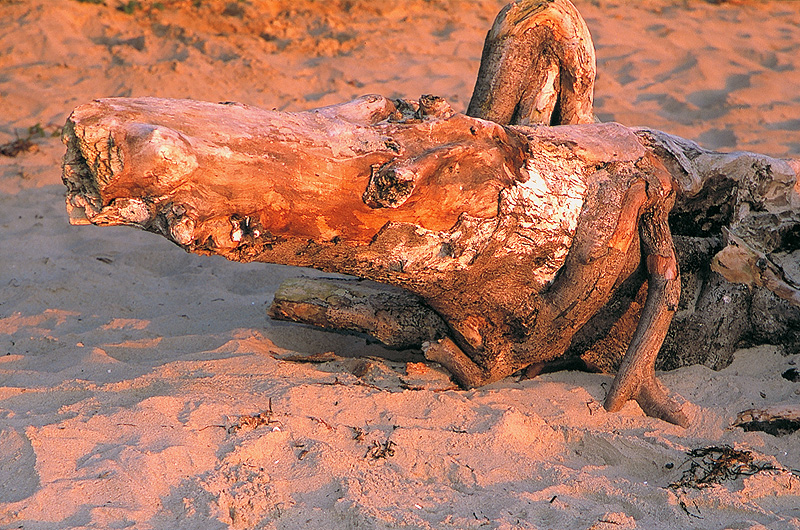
point(528, 241)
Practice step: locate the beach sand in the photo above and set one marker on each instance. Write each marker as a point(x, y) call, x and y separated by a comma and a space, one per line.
point(139, 385)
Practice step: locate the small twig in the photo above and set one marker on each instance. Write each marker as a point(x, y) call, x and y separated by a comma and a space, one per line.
point(322, 422)
point(686, 510)
point(314, 358)
point(589, 404)
point(354, 383)
point(405, 385)
point(214, 425)
point(368, 385)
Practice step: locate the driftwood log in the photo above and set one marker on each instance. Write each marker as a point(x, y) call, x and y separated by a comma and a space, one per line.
point(776, 420)
point(526, 241)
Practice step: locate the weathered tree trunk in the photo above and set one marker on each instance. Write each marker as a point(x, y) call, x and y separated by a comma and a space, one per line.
point(475, 218)
point(528, 242)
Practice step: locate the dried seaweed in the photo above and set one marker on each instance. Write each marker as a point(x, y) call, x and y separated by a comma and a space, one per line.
point(18, 146)
point(381, 450)
point(709, 466)
point(716, 464)
point(24, 144)
point(254, 421)
point(358, 433)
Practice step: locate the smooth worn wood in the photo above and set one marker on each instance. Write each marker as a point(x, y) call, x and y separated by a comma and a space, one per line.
point(529, 242)
point(537, 67)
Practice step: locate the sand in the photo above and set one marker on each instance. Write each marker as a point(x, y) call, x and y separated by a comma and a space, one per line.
point(140, 386)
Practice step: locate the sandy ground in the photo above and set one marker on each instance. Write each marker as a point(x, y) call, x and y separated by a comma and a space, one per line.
point(139, 386)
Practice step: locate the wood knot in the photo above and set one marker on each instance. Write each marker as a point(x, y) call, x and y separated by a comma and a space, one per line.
point(431, 106)
point(389, 187)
